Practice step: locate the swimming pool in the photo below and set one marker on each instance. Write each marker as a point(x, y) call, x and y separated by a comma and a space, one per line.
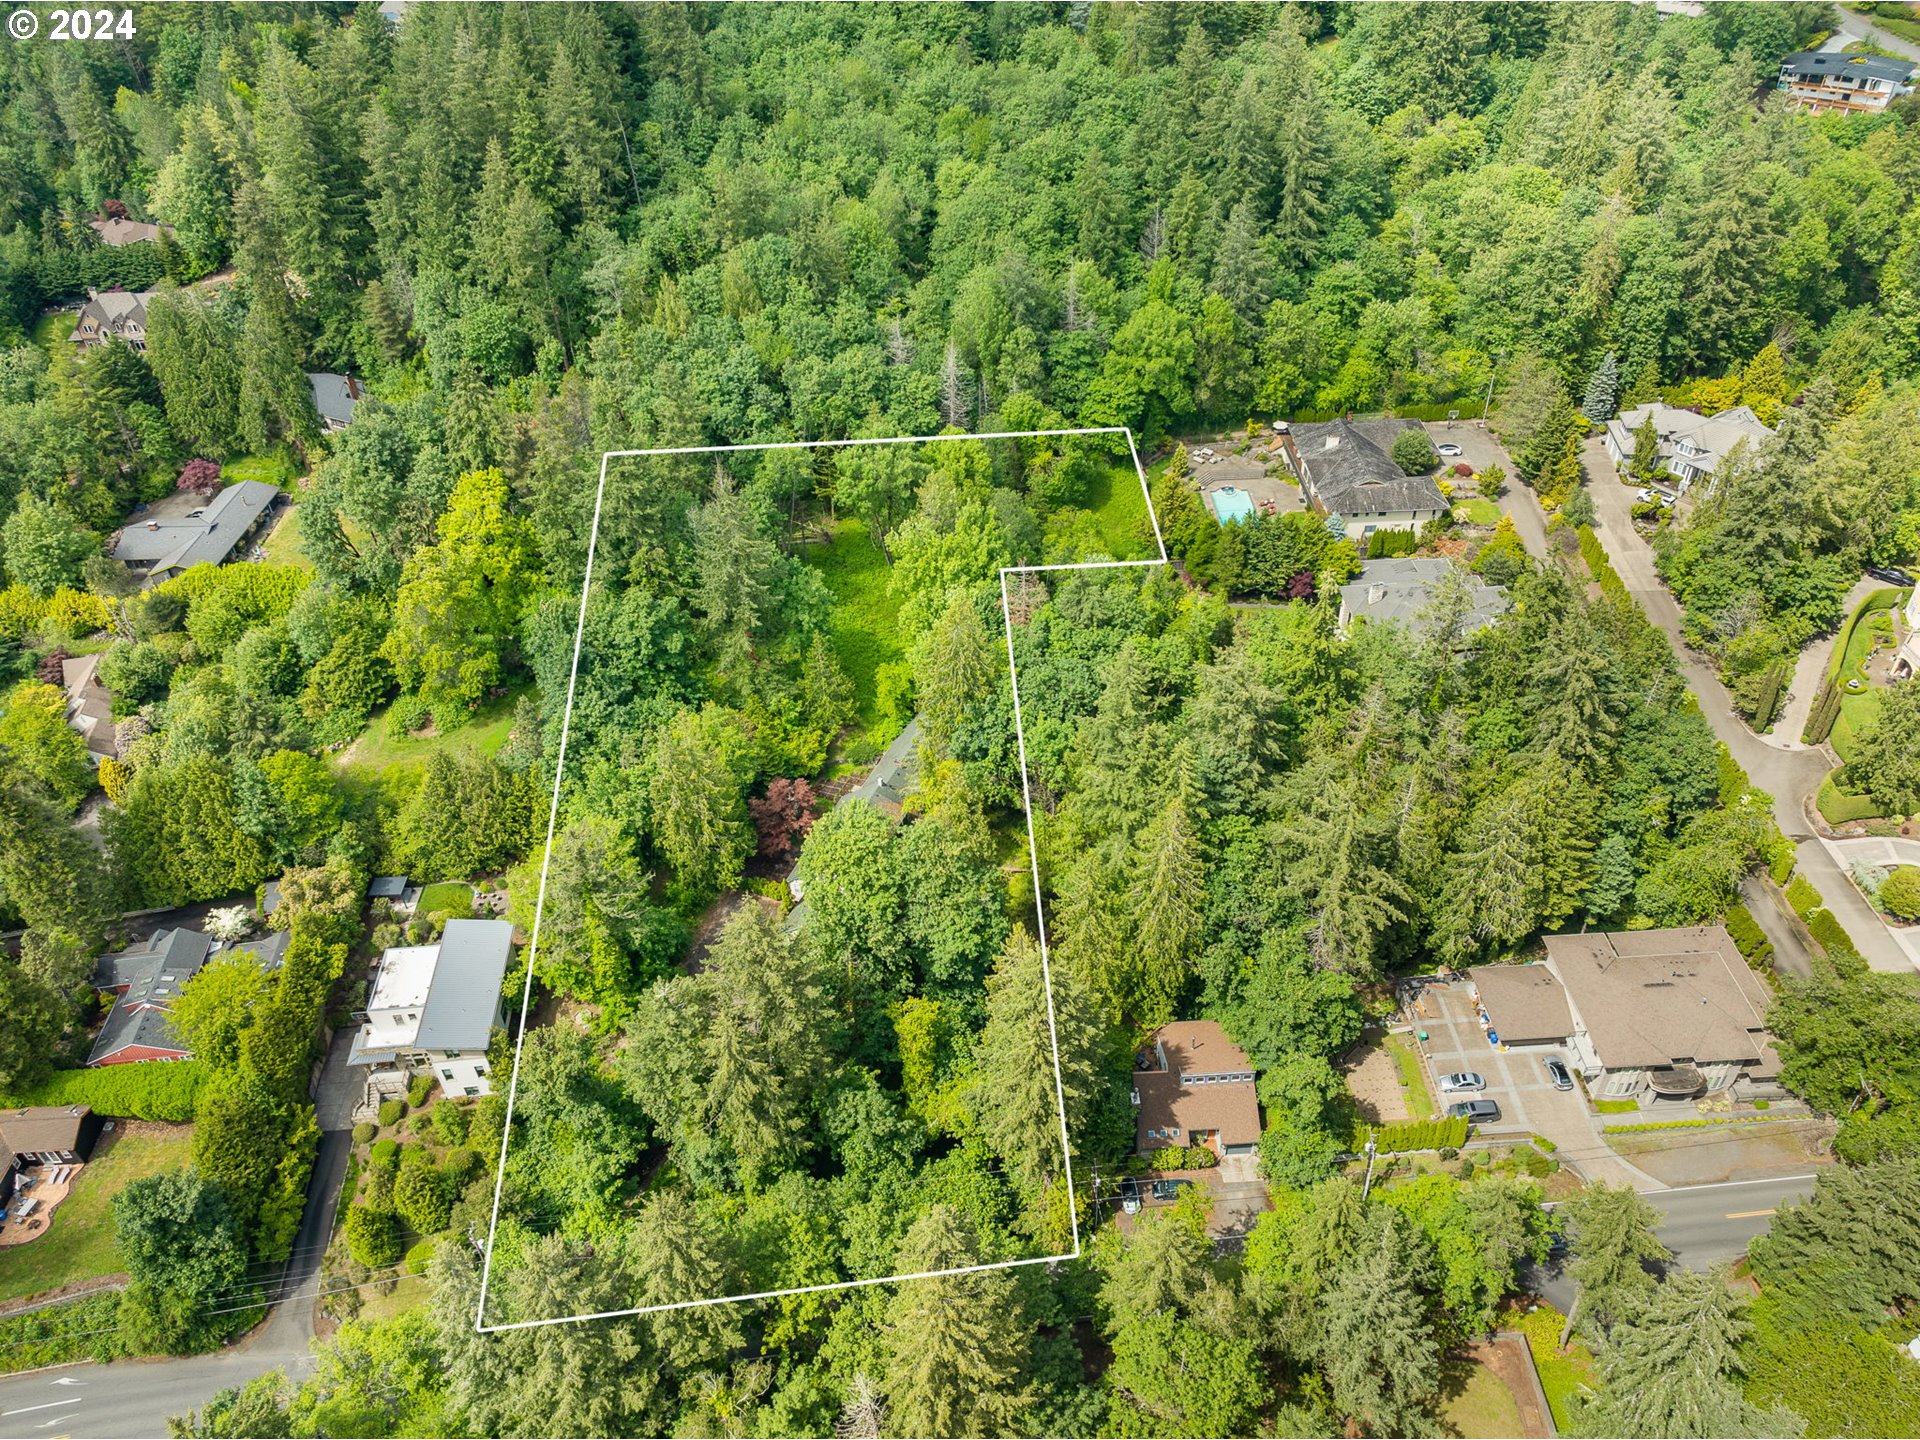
point(1232, 505)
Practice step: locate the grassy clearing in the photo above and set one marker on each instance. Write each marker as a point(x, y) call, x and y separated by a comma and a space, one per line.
point(283, 545)
point(1407, 1061)
point(484, 734)
point(50, 332)
point(447, 895)
point(80, 1243)
point(866, 615)
point(1475, 1403)
point(1119, 507)
point(1479, 511)
point(1561, 1376)
point(276, 470)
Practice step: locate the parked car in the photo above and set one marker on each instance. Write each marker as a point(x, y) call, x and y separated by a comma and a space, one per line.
point(1170, 1189)
point(1450, 450)
point(1558, 1073)
point(1463, 1083)
point(1892, 574)
point(1130, 1196)
point(1479, 1112)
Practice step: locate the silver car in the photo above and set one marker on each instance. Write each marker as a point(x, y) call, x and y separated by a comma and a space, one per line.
point(1558, 1073)
point(1464, 1083)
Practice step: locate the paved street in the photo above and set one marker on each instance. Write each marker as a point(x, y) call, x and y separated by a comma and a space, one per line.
point(135, 1398)
point(1792, 777)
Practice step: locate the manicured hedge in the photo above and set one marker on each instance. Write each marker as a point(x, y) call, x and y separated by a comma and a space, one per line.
point(1595, 554)
point(1699, 1122)
point(1749, 937)
point(154, 1090)
point(1419, 1135)
point(1826, 705)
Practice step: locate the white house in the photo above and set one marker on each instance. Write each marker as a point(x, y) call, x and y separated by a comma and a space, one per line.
point(1691, 445)
point(433, 1008)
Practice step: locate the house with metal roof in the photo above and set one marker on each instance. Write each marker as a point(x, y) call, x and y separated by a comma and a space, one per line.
point(1344, 469)
point(1401, 591)
point(1193, 1086)
point(1644, 1015)
point(433, 1008)
point(1849, 81)
point(162, 548)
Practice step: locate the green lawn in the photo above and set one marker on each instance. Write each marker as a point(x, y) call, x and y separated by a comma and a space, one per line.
point(484, 734)
point(447, 895)
point(865, 619)
point(1119, 507)
point(1479, 511)
point(80, 1243)
point(1561, 1376)
point(1856, 712)
point(51, 331)
point(1407, 1061)
point(1475, 1403)
point(274, 469)
point(283, 545)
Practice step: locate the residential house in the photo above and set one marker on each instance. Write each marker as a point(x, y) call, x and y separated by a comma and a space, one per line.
point(147, 978)
point(433, 1008)
point(334, 397)
point(1692, 446)
point(50, 1134)
point(207, 535)
point(1344, 469)
point(1644, 1015)
point(1194, 1086)
point(110, 313)
point(1401, 591)
point(885, 787)
point(1906, 660)
point(1848, 81)
point(89, 705)
point(118, 230)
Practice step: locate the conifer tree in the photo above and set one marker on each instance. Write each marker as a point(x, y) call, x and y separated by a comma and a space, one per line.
point(1167, 899)
point(1380, 1351)
point(1603, 390)
point(1613, 1240)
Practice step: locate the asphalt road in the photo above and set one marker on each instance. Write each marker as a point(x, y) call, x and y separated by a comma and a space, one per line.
point(1702, 1225)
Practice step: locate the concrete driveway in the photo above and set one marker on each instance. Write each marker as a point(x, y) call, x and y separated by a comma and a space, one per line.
point(1517, 1082)
point(1479, 448)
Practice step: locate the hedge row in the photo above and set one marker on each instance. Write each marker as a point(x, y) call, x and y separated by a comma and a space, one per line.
point(1695, 1124)
point(1599, 566)
point(1827, 932)
point(151, 1091)
point(1417, 1135)
point(1749, 937)
point(1826, 705)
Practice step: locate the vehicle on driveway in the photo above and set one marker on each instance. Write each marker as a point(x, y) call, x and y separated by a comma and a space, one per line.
point(1479, 1112)
point(1558, 1073)
point(1170, 1189)
point(1464, 1083)
point(1893, 575)
point(1130, 1196)
point(1450, 450)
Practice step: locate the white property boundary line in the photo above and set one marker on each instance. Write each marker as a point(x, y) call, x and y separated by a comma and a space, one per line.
point(1033, 851)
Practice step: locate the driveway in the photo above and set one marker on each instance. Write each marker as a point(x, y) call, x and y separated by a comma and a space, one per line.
point(1883, 851)
point(1479, 448)
point(1792, 777)
point(1853, 27)
point(1517, 1082)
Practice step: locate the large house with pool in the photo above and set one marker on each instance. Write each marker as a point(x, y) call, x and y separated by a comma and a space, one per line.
point(1344, 469)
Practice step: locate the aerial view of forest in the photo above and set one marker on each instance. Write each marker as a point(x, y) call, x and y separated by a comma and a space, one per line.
point(1344, 761)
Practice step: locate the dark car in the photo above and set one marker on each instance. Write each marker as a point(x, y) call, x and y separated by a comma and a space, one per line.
point(1558, 1073)
point(1892, 574)
point(1480, 1112)
point(1170, 1189)
point(1130, 1196)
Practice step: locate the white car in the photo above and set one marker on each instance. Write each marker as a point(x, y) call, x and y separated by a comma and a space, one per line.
point(1451, 451)
point(1464, 1083)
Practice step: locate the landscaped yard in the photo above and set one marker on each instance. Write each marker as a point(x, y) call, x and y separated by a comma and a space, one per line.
point(448, 895)
point(865, 615)
point(274, 469)
point(1407, 1061)
point(1479, 511)
point(51, 331)
point(1561, 1376)
point(283, 544)
point(79, 1244)
point(484, 734)
point(1475, 1403)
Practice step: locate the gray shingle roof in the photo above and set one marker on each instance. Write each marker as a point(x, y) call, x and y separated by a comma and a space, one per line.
point(1351, 473)
point(1827, 65)
point(334, 396)
point(164, 546)
point(894, 773)
point(1401, 589)
point(151, 975)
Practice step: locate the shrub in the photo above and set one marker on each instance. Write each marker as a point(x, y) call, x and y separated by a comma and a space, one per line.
point(199, 477)
point(391, 1111)
point(1546, 1145)
point(1168, 1157)
point(418, 1089)
point(1900, 896)
point(420, 1194)
point(451, 1122)
point(123, 1092)
point(461, 1166)
point(1803, 897)
point(419, 1257)
point(1199, 1157)
point(1420, 1135)
point(386, 1154)
point(364, 1131)
point(372, 1237)
point(1761, 1104)
point(1413, 452)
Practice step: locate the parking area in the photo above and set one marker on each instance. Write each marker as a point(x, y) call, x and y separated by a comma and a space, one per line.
point(1478, 448)
point(1237, 1194)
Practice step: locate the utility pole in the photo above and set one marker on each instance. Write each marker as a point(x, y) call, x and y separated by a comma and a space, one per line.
point(1488, 406)
point(1372, 1149)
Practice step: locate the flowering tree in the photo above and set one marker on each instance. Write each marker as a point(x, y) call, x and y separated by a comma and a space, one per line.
point(231, 923)
point(202, 477)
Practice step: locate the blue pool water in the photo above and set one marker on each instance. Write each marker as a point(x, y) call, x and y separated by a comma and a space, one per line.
point(1232, 504)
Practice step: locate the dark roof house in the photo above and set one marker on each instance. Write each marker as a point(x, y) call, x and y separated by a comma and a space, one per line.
point(1401, 590)
point(893, 775)
point(334, 397)
point(147, 979)
point(205, 536)
point(89, 705)
point(50, 1134)
point(1194, 1086)
point(1345, 469)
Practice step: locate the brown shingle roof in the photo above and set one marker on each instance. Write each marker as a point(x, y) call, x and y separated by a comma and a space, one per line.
point(1653, 997)
point(1178, 1089)
point(43, 1127)
point(1524, 1002)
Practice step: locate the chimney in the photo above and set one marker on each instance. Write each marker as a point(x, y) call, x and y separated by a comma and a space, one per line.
point(353, 388)
point(1375, 594)
point(1332, 443)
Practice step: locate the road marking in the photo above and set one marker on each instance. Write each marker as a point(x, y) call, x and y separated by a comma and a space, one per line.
point(1729, 1184)
point(51, 1404)
point(1747, 1214)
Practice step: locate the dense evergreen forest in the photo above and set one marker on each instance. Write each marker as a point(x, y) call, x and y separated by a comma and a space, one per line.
point(537, 233)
